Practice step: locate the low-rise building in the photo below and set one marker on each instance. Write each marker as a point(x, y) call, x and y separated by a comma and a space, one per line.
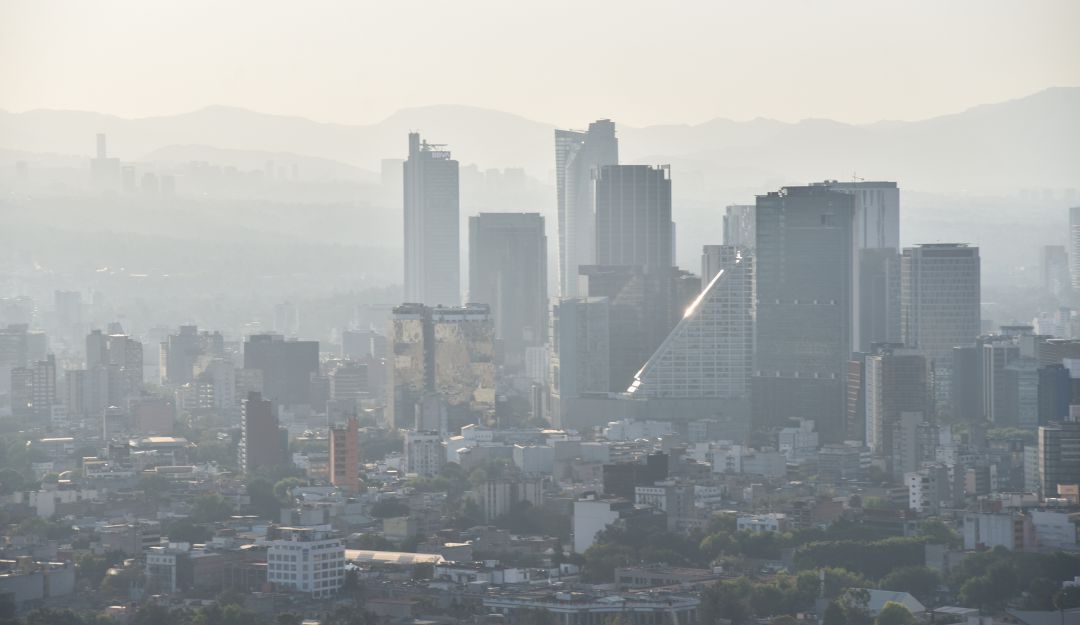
point(310, 560)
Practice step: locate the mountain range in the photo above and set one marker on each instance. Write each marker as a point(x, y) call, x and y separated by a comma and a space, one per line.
point(1030, 142)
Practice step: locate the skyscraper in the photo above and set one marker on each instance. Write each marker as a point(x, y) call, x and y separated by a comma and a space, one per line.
point(877, 308)
point(940, 290)
point(709, 354)
point(896, 383)
point(508, 271)
point(43, 389)
point(579, 351)
point(432, 240)
point(633, 216)
point(635, 266)
point(262, 442)
point(1074, 246)
point(577, 157)
point(803, 262)
point(1059, 455)
point(1055, 270)
point(122, 357)
point(876, 242)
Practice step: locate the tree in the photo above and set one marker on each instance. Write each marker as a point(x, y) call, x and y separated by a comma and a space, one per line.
point(894, 613)
point(1066, 598)
point(283, 489)
point(920, 581)
point(855, 602)
point(938, 533)
point(210, 508)
point(834, 615)
point(91, 569)
point(185, 530)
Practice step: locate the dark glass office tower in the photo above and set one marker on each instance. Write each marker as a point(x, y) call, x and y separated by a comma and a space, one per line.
point(633, 216)
point(804, 288)
point(508, 272)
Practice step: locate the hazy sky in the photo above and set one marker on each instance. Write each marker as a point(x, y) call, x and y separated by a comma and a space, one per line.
point(557, 61)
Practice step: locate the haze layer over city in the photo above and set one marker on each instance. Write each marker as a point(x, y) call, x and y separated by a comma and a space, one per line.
point(539, 313)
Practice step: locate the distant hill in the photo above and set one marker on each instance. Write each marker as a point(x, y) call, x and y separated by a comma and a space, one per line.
point(1029, 142)
point(310, 168)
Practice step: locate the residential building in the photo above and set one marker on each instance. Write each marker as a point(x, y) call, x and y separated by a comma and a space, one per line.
point(424, 453)
point(344, 455)
point(262, 442)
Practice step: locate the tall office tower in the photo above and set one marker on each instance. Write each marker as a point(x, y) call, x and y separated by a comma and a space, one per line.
point(104, 171)
point(287, 366)
point(633, 216)
point(287, 319)
point(739, 225)
point(444, 351)
point(122, 357)
point(15, 352)
point(1054, 394)
point(508, 271)
point(876, 241)
point(262, 442)
point(179, 352)
point(1055, 270)
point(68, 314)
point(577, 157)
point(897, 383)
point(349, 382)
point(344, 455)
point(86, 391)
point(432, 240)
point(965, 392)
point(1074, 246)
point(878, 298)
point(22, 391)
point(803, 264)
point(579, 358)
point(709, 354)
point(43, 389)
point(877, 212)
point(939, 306)
point(1059, 456)
point(997, 356)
